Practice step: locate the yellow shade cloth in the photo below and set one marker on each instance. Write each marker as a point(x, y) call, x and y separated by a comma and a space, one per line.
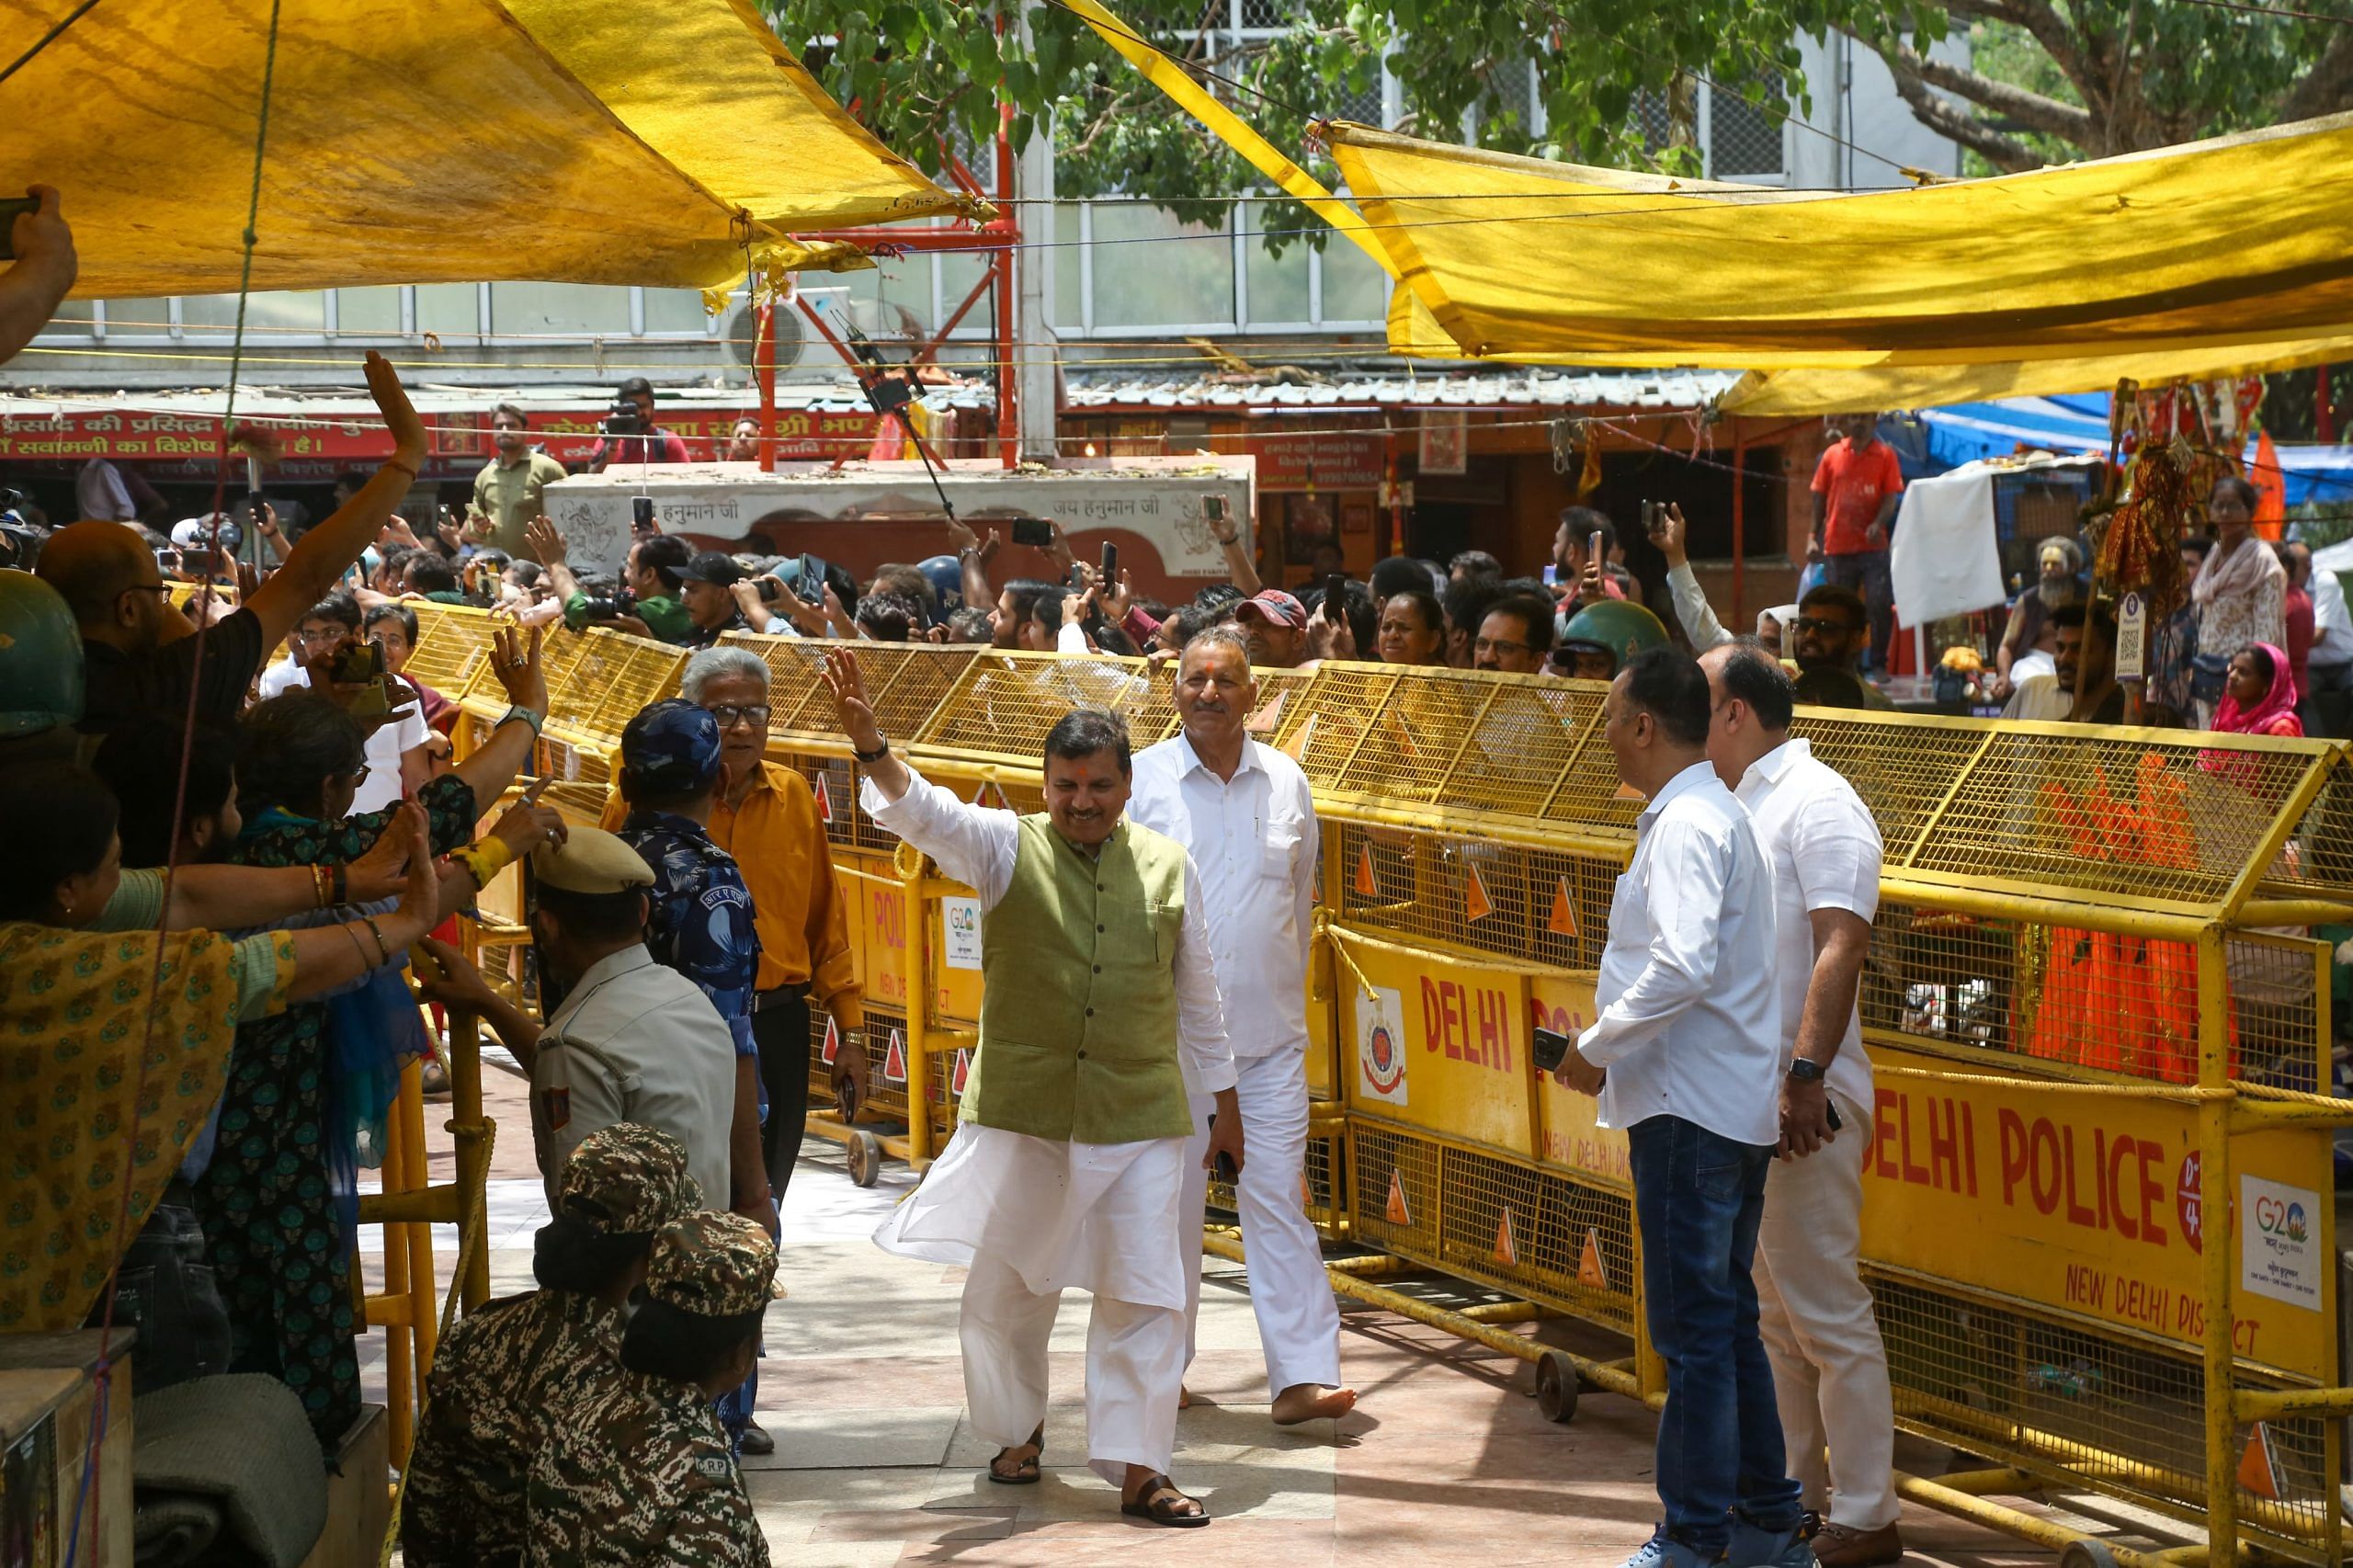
point(438, 141)
point(1799, 393)
point(2180, 251)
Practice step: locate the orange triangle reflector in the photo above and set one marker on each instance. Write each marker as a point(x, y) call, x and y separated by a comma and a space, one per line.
point(963, 1069)
point(1507, 1250)
point(1367, 886)
point(1564, 922)
point(2258, 1471)
point(894, 1060)
point(832, 1046)
point(1476, 904)
point(1628, 792)
point(1397, 1213)
point(825, 800)
point(1591, 1272)
point(1296, 747)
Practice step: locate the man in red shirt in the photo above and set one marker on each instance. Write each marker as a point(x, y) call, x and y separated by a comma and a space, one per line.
point(1855, 490)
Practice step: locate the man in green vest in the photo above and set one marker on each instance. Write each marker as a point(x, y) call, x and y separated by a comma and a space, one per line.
point(1099, 1004)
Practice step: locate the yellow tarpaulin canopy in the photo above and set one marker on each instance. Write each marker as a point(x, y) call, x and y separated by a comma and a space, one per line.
point(438, 141)
point(2179, 252)
point(1792, 392)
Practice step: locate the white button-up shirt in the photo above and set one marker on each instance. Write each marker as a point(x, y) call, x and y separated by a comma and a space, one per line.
point(978, 845)
point(1253, 839)
point(1690, 1021)
point(2332, 623)
point(1824, 850)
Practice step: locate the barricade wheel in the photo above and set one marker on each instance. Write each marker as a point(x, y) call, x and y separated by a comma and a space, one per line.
point(2086, 1555)
point(865, 1158)
point(1556, 1388)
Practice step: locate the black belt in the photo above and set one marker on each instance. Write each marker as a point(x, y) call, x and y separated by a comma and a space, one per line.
point(777, 995)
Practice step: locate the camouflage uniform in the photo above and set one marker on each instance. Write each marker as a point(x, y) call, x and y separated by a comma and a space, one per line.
point(639, 1471)
point(505, 1374)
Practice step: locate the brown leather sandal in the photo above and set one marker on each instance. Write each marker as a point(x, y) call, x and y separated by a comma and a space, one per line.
point(1157, 1502)
point(1025, 1472)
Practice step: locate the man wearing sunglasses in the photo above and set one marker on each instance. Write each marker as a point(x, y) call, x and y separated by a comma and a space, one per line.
point(1830, 636)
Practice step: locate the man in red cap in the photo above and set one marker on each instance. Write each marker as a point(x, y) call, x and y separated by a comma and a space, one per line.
point(1275, 625)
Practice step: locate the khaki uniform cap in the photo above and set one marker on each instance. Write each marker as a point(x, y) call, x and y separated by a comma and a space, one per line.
point(590, 860)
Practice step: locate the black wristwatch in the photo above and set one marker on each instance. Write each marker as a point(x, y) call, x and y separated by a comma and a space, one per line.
point(1805, 1070)
point(877, 754)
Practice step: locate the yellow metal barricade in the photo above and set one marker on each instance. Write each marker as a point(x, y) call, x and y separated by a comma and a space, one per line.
point(2099, 1223)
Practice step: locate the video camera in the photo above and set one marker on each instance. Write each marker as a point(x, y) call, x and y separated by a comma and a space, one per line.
point(627, 417)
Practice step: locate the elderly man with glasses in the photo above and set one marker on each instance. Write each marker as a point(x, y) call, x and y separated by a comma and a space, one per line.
point(767, 819)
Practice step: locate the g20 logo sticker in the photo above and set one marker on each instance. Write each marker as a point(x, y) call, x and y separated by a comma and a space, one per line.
point(2282, 1219)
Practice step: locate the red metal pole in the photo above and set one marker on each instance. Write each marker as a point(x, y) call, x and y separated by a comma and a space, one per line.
point(1739, 531)
point(1008, 403)
point(764, 359)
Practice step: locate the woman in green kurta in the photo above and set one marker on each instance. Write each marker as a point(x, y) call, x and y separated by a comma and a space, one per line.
point(267, 1200)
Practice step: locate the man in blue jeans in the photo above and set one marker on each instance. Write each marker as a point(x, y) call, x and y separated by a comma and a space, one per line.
point(1685, 1056)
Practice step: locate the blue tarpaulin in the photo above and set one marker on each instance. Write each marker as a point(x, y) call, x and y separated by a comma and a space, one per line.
point(2077, 422)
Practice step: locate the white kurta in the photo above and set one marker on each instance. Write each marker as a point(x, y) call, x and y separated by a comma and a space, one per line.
point(1031, 1216)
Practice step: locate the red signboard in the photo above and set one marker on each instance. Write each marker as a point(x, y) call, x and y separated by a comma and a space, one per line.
point(1316, 462)
point(569, 436)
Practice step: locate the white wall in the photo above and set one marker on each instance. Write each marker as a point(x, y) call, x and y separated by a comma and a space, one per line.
point(1854, 100)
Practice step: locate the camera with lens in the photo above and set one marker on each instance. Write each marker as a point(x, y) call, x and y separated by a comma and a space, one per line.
point(627, 417)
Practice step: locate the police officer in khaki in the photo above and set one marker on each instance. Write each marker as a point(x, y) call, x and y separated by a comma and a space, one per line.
point(639, 1472)
point(506, 1376)
point(629, 1040)
point(1068, 1167)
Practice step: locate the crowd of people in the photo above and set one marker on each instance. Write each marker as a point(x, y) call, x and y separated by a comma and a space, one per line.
point(240, 856)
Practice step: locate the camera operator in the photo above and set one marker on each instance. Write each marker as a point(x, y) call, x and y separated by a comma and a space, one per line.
point(631, 434)
point(653, 579)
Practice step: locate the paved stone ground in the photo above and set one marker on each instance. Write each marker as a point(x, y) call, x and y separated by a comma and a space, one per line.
point(1447, 1460)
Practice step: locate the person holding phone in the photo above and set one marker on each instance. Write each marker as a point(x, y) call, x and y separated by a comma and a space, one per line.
point(1686, 1057)
point(1244, 811)
point(1829, 1367)
point(1099, 999)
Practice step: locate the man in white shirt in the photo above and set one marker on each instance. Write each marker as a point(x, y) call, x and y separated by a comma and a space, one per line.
point(1829, 1368)
point(1685, 1056)
point(1099, 1003)
point(1244, 811)
point(399, 752)
point(2328, 669)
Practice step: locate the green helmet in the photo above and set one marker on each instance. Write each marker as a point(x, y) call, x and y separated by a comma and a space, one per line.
point(41, 658)
point(1621, 629)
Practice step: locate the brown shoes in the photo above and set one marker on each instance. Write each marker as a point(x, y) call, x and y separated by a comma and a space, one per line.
point(1843, 1546)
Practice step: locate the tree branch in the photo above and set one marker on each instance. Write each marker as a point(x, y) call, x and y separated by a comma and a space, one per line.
point(2326, 85)
point(2032, 109)
point(2005, 152)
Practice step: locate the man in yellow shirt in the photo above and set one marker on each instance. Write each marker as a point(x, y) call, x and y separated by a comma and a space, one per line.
point(512, 487)
point(767, 818)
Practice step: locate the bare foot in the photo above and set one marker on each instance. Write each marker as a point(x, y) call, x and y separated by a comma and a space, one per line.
point(1183, 1397)
point(1312, 1401)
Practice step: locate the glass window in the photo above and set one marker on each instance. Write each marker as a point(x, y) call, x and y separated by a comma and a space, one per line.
point(212, 313)
point(1068, 314)
point(448, 309)
point(958, 271)
point(583, 308)
point(1354, 288)
point(375, 313)
point(1171, 274)
point(1277, 284)
point(1744, 139)
point(675, 310)
point(139, 318)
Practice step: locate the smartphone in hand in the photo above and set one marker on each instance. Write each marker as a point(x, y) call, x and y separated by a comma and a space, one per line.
point(1035, 532)
point(1550, 1048)
point(1109, 577)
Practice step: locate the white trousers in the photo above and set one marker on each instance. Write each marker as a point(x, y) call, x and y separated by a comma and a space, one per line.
point(1299, 1321)
point(1135, 1368)
point(1829, 1368)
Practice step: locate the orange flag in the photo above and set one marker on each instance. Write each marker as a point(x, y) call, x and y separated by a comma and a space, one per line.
point(1564, 922)
point(2271, 488)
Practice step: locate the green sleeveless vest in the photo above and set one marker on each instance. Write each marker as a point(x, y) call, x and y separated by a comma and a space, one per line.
point(1078, 1000)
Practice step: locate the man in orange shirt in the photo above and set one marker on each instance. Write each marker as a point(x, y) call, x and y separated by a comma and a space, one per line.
point(767, 818)
point(1857, 487)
